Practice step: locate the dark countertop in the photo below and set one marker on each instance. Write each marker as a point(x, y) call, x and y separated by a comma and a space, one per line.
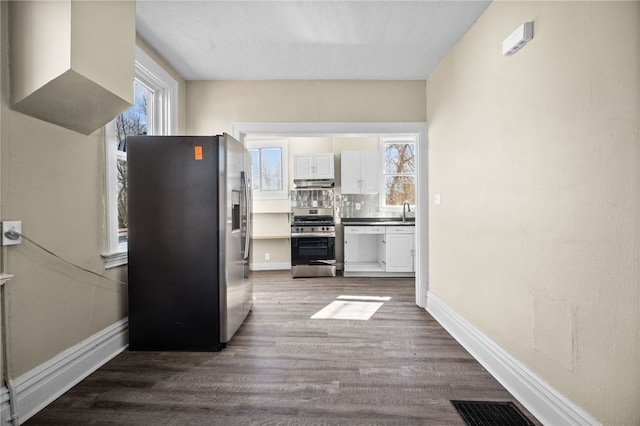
point(368, 221)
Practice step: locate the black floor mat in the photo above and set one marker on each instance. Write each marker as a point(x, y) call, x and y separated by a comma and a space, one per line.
point(488, 413)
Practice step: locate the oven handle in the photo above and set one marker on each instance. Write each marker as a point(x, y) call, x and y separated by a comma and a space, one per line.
point(322, 262)
point(312, 234)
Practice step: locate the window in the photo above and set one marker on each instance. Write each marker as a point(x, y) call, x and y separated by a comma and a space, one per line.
point(399, 171)
point(154, 112)
point(269, 168)
point(129, 123)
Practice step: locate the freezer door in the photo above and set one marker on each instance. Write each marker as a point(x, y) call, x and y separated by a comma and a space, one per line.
point(247, 229)
point(234, 227)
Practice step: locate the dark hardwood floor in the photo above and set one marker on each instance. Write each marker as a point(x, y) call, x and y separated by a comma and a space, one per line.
point(398, 368)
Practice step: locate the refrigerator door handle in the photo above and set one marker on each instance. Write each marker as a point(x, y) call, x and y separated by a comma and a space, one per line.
point(247, 200)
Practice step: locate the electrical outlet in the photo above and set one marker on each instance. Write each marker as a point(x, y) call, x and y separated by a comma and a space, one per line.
point(11, 225)
point(266, 256)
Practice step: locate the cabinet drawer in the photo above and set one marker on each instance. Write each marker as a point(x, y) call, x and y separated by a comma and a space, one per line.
point(364, 229)
point(400, 229)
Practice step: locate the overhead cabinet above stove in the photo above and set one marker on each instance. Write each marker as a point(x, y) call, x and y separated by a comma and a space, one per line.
point(313, 167)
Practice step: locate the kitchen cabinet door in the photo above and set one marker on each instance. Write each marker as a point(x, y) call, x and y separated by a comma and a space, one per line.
point(302, 166)
point(350, 172)
point(400, 251)
point(371, 172)
point(323, 166)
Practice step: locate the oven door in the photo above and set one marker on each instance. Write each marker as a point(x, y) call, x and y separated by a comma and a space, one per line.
point(313, 250)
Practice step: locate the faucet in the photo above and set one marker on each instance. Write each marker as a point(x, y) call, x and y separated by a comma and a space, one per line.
point(405, 208)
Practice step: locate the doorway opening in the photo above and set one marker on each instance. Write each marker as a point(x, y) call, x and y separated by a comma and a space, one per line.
point(247, 130)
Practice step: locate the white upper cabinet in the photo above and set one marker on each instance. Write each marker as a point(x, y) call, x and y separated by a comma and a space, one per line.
point(360, 172)
point(313, 166)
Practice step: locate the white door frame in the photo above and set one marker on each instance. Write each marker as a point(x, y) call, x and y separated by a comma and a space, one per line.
point(240, 130)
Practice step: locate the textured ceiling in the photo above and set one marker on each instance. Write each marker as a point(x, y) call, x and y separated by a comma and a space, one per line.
point(305, 40)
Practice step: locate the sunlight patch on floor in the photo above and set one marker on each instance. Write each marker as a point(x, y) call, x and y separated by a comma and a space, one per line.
point(368, 298)
point(351, 308)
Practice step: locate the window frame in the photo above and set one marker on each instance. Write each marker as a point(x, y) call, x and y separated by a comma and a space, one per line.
point(283, 145)
point(387, 139)
point(162, 119)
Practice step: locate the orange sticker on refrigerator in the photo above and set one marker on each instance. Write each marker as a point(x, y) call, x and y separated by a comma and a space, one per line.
point(197, 152)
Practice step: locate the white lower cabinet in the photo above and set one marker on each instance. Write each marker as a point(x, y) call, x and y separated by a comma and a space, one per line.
point(399, 249)
point(379, 250)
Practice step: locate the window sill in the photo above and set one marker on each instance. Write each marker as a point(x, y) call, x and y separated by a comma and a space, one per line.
point(115, 259)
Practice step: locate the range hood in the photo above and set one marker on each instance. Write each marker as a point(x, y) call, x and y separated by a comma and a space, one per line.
point(314, 183)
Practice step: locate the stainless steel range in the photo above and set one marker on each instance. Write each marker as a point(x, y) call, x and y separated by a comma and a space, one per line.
point(313, 233)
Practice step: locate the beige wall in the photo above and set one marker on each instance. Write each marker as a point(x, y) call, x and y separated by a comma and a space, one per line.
point(52, 179)
point(213, 105)
point(536, 157)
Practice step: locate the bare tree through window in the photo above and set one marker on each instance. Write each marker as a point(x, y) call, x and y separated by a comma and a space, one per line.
point(130, 123)
point(400, 170)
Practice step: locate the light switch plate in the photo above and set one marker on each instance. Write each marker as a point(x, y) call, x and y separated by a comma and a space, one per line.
point(11, 225)
point(438, 200)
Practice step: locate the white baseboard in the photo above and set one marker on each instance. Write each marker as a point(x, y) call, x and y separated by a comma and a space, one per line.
point(42, 385)
point(547, 404)
point(270, 266)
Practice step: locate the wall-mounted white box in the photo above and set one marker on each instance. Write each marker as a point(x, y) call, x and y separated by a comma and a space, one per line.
point(517, 39)
point(8, 226)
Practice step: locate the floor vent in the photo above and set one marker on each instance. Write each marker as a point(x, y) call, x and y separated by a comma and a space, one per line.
point(487, 413)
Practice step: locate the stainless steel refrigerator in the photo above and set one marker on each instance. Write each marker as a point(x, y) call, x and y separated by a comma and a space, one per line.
point(189, 225)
